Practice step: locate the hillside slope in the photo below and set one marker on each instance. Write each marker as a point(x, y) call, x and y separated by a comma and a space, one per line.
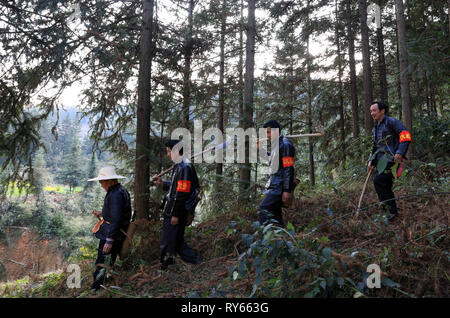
point(412, 252)
point(22, 252)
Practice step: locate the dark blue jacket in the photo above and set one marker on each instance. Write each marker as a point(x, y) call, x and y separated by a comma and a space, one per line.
point(181, 188)
point(389, 137)
point(283, 179)
point(117, 212)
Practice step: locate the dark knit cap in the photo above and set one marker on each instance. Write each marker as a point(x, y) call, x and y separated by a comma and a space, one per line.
point(272, 124)
point(171, 143)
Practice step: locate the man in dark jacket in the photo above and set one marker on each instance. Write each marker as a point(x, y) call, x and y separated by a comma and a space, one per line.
point(390, 139)
point(114, 220)
point(281, 182)
point(182, 187)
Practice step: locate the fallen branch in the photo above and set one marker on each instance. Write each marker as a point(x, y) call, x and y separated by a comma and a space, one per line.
point(16, 262)
point(141, 282)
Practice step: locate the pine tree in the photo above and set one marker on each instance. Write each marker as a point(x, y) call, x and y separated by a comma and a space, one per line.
point(381, 58)
point(247, 119)
point(340, 88)
point(41, 175)
point(142, 169)
point(352, 67)
point(92, 191)
point(367, 69)
point(91, 170)
point(404, 74)
point(71, 173)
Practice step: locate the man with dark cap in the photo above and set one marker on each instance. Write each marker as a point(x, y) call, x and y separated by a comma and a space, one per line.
point(390, 139)
point(177, 205)
point(281, 182)
point(113, 221)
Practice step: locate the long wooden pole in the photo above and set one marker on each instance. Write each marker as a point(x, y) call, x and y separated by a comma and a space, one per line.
point(320, 134)
point(195, 155)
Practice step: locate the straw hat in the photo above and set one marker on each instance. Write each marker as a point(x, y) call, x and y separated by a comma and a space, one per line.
point(107, 173)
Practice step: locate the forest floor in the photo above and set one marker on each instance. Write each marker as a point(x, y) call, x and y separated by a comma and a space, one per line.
point(412, 251)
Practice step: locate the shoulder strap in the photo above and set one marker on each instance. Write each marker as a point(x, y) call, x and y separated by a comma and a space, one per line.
point(390, 122)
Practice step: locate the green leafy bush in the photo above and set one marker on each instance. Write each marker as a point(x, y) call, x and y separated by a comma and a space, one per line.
point(284, 265)
point(431, 138)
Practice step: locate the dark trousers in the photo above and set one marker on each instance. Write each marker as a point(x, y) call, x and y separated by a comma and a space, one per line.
point(172, 242)
point(383, 186)
point(270, 210)
point(116, 246)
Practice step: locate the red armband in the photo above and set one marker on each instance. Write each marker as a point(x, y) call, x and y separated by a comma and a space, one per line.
point(288, 162)
point(183, 186)
point(404, 136)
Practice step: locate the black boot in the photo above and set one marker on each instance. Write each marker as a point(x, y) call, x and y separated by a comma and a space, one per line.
point(168, 260)
point(99, 278)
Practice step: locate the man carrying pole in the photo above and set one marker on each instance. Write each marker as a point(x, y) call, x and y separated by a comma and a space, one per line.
point(390, 145)
point(178, 203)
point(281, 183)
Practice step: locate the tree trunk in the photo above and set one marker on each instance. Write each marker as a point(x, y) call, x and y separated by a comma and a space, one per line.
point(404, 78)
point(341, 95)
point(399, 90)
point(352, 64)
point(433, 98)
point(187, 66)
point(248, 89)
point(427, 93)
point(448, 10)
point(162, 151)
point(291, 120)
point(241, 66)
point(310, 127)
point(419, 90)
point(367, 72)
point(219, 166)
point(382, 61)
point(142, 167)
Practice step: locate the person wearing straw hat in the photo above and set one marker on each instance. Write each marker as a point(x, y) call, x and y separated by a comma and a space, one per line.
point(113, 220)
point(176, 207)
